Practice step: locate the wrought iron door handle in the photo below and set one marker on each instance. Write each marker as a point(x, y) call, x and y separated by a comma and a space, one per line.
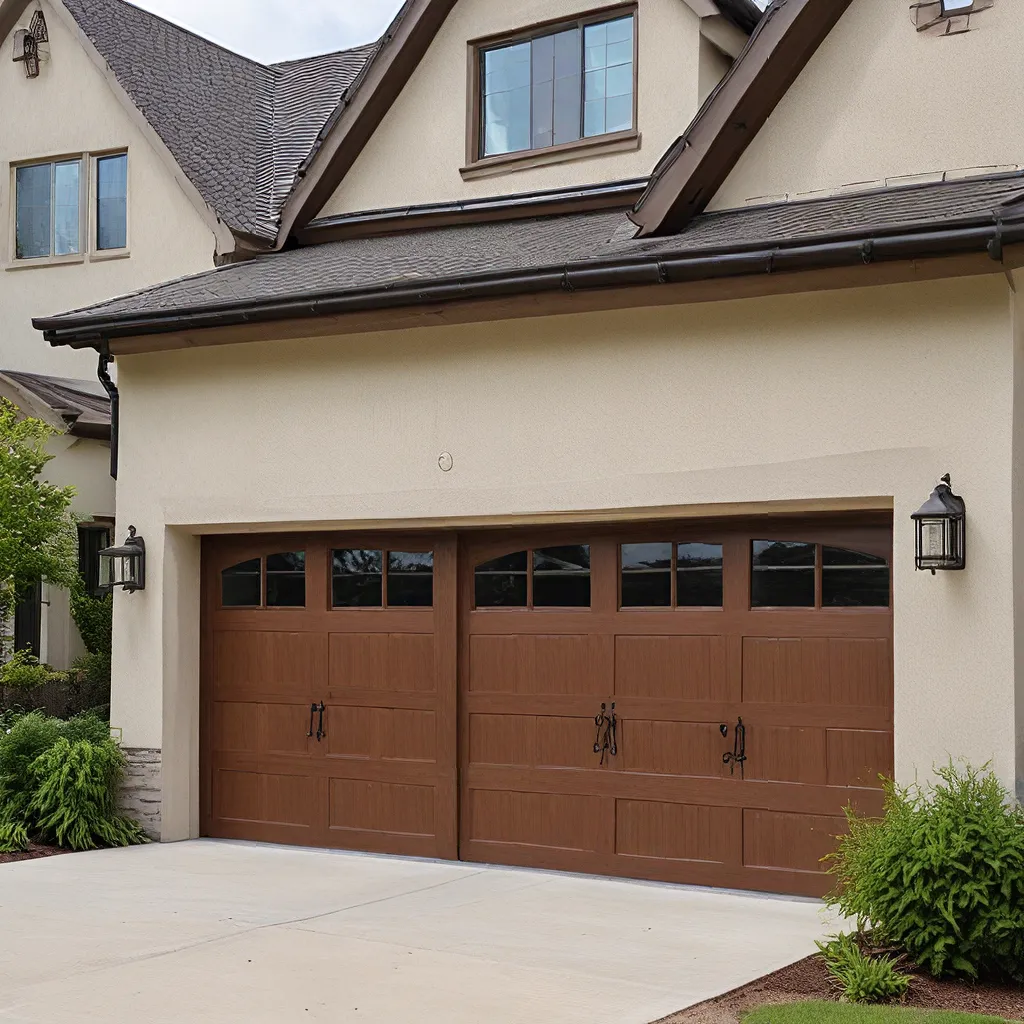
point(738, 754)
point(312, 712)
point(613, 733)
point(599, 721)
point(320, 728)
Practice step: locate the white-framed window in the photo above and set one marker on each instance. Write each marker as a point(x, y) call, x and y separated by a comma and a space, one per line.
point(70, 209)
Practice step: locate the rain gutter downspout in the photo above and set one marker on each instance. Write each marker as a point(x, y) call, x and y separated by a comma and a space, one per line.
point(103, 372)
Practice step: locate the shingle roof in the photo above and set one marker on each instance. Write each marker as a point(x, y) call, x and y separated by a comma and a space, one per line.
point(461, 254)
point(238, 129)
point(87, 413)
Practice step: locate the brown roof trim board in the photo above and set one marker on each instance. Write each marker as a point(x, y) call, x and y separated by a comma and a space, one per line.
point(520, 206)
point(362, 109)
point(697, 164)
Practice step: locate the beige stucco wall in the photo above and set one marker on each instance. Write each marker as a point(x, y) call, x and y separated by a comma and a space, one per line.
point(415, 155)
point(71, 109)
point(844, 394)
point(85, 465)
point(880, 100)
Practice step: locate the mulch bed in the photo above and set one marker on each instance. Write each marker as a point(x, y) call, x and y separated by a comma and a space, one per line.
point(809, 979)
point(34, 852)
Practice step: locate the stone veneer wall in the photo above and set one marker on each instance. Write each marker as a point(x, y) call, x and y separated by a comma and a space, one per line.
point(140, 794)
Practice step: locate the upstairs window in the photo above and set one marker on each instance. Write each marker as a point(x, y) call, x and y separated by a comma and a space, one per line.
point(48, 209)
point(558, 86)
point(112, 202)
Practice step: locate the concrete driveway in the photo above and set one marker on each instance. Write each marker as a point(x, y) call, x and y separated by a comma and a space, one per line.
point(225, 932)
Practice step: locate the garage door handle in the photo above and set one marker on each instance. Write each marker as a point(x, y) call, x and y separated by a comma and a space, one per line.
point(320, 734)
point(608, 743)
point(738, 754)
point(312, 712)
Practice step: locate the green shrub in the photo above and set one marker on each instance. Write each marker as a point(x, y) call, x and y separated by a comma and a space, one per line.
point(74, 803)
point(23, 672)
point(941, 874)
point(94, 617)
point(863, 979)
point(24, 746)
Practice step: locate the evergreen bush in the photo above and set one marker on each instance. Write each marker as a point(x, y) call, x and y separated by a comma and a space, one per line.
point(941, 874)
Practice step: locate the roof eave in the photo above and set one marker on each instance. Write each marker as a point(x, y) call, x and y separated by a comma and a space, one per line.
point(934, 239)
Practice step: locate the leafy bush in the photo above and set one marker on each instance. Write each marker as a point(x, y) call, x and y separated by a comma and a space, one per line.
point(941, 874)
point(863, 979)
point(74, 803)
point(23, 672)
point(33, 803)
point(94, 618)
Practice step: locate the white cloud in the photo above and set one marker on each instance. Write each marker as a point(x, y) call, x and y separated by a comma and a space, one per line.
point(274, 30)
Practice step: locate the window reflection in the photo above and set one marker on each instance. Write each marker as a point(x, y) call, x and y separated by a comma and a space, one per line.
point(357, 578)
point(699, 575)
point(501, 582)
point(410, 579)
point(852, 579)
point(782, 574)
point(561, 577)
point(647, 575)
point(240, 585)
point(286, 580)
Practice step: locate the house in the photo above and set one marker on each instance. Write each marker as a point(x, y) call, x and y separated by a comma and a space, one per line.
point(120, 170)
point(547, 499)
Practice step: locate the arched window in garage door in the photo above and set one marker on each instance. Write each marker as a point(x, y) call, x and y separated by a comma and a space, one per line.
point(554, 577)
point(274, 581)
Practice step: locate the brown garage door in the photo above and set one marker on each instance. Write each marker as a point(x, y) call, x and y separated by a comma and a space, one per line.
point(328, 682)
point(604, 677)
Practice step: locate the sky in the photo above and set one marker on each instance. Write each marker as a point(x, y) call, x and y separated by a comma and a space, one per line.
point(274, 30)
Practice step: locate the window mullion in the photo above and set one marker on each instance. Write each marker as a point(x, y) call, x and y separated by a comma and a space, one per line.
point(53, 208)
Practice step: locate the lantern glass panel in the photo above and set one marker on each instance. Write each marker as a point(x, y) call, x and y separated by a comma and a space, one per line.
point(935, 539)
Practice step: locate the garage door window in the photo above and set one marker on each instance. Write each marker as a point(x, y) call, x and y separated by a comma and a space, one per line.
point(286, 580)
point(363, 578)
point(281, 578)
point(784, 575)
point(557, 577)
point(666, 575)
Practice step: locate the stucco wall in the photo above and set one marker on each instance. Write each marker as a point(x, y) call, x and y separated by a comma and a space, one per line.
point(842, 394)
point(415, 154)
point(71, 109)
point(880, 100)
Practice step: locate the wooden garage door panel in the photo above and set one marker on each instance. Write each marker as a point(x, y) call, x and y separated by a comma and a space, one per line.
point(679, 832)
point(785, 754)
point(392, 734)
point(857, 757)
point(540, 741)
point(396, 662)
point(551, 820)
point(817, 670)
point(284, 729)
point(382, 807)
point(272, 799)
point(236, 727)
point(269, 662)
point(680, 667)
point(529, 664)
point(671, 748)
point(792, 842)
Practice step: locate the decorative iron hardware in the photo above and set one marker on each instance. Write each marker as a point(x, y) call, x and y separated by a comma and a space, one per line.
point(320, 734)
point(312, 712)
point(606, 740)
point(738, 754)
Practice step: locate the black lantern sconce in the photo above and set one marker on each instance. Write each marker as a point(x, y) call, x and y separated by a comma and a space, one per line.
point(941, 530)
point(124, 566)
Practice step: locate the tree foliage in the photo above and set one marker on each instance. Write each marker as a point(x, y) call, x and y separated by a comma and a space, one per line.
point(37, 530)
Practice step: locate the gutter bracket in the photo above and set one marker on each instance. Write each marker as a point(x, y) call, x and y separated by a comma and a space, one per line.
point(103, 373)
point(995, 245)
point(567, 285)
point(769, 265)
point(867, 252)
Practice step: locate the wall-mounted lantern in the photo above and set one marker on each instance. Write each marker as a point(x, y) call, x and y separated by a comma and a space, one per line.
point(941, 530)
point(124, 566)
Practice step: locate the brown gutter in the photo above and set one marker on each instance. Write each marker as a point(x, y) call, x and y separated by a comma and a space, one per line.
point(363, 108)
point(557, 202)
point(989, 235)
point(696, 166)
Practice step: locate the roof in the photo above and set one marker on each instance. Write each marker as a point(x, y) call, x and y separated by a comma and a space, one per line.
point(583, 250)
point(239, 129)
point(82, 405)
point(698, 162)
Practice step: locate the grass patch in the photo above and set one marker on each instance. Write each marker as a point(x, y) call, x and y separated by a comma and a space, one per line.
point(850, 1013)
